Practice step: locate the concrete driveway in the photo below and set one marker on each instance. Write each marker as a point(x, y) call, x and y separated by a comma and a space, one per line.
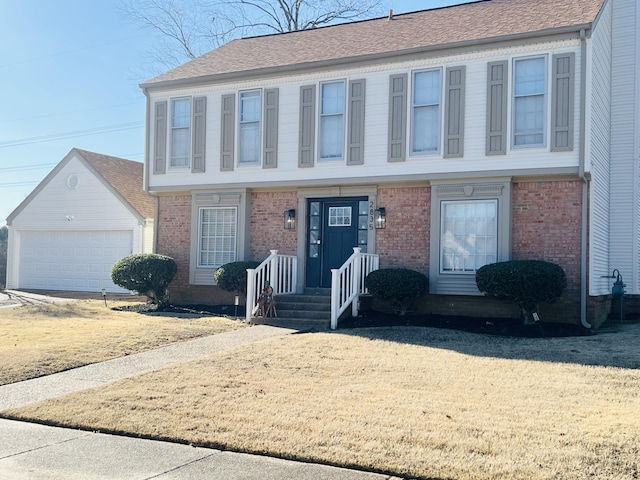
point(16, 298)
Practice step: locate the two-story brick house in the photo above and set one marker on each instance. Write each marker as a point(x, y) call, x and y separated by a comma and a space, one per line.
point(487, 131)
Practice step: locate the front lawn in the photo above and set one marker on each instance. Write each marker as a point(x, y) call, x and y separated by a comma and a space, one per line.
point(410, 401)
point(43, 339)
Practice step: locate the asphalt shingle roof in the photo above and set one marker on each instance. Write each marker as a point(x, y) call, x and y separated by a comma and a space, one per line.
point(466, 23)
point(125, 176)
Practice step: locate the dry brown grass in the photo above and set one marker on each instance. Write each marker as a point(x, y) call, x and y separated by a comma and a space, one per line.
point(43, 339)
point(411, 401)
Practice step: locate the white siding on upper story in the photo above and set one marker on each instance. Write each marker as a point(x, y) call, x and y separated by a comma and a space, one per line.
point(599, 152)
point(624, 180)
point(375, 166)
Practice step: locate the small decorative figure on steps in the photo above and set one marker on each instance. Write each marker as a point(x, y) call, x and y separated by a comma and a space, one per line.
point(266, 305)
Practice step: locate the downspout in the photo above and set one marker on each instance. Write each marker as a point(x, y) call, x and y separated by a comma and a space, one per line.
point(585, 181)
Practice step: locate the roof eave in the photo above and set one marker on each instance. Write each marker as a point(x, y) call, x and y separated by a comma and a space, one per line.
point(568, 31)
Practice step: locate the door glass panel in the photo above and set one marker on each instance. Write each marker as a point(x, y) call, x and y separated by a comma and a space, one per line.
point(339, 216)
point(314, 208)
point(363, 207)
point(313, 251)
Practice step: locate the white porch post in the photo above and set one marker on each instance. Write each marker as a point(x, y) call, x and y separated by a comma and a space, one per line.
point(251, 294)
point(355, 281)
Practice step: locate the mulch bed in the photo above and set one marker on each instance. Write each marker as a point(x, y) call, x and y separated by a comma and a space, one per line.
point(491, 326)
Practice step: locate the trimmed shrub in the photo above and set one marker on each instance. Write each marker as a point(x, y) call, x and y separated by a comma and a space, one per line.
point(147, 274)
point(524, 282)
point(232, 277)
point(398, 286)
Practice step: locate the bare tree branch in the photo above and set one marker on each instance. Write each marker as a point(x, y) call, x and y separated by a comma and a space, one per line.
point(192, 27)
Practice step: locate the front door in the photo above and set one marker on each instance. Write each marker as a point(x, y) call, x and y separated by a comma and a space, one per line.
point(334, 227)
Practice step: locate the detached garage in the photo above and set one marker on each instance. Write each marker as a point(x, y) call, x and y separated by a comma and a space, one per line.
point(89, 212)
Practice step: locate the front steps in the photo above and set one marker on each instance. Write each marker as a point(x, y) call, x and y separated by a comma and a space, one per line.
point(308, 311)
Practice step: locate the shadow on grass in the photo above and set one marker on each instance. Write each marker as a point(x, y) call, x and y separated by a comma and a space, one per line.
point(505, 338)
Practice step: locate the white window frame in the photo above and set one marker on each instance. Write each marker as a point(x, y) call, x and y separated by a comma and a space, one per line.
point(172, 129)
point(466, 250)
point(543, 94)
point(498, 189)
point(241, 122)
point(413, 106)
point(341, 115)
point(199, 250)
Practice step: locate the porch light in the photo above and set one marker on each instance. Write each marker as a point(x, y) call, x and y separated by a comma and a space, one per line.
point(380, 217)
point(289, 219)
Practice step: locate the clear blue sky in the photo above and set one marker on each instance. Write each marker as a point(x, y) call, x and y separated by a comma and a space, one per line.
point(69, 75)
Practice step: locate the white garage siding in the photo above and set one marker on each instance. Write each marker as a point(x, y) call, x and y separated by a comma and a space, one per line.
point(71, 260)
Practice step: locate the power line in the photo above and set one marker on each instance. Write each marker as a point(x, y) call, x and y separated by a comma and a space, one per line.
point(77, 133)
point(27, 167)
point(18, 184)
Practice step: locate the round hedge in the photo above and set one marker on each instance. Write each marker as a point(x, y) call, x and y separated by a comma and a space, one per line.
point(147, 274)
point(525, 282)
point(232, 277)
point(398, 286)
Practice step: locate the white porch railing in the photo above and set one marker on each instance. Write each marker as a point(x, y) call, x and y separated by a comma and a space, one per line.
point(347, 283)
point(281, 271)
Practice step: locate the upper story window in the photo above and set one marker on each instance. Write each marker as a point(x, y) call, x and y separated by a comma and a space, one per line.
point(425, 111)
point(249, 127)
point(178, 135)
point(180, 132)
point(332, 112)
point(529, 92)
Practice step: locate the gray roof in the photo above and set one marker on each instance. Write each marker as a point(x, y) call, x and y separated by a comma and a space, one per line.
point(465, 24)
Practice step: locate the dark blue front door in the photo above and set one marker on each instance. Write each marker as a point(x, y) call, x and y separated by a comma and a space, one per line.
point(332, 233)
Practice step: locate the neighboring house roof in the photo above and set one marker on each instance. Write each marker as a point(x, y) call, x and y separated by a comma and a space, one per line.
point(466, 24)
point(123, 177)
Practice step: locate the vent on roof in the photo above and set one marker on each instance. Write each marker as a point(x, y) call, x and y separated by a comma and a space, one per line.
point(391, 14)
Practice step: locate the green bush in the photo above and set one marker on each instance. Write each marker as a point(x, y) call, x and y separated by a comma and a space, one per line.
point(232, 277)
point(398, 286)
point(524, 282)
point(147, 274)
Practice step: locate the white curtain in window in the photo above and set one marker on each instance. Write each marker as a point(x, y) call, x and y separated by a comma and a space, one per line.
point(249, 131)
point(425, 130)
point(331, 142)
point(469, 235)
point(218, 235)
point(180, 132)
point(529, 88)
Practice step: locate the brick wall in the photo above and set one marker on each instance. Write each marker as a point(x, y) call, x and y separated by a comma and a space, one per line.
point(546, 225)
point(405, 241)
point(267, 230)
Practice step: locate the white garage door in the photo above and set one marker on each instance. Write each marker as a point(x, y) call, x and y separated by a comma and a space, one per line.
point(76, 261)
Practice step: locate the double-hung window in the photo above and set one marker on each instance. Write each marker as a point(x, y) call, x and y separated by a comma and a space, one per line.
point(529, 86)
point(217, 239)
point(249, 134)
point(331, 129)
point(425, 111)
point(468, 235)
point(180, 132)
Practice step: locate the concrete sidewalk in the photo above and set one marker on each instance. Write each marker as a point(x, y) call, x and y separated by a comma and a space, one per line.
point(31, 451)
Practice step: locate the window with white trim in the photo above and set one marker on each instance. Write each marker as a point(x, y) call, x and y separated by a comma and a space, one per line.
point(217, 239)
point(426, 98)
point(529, 92)
point(331, 128)
point(468, 235)
point(249, 132)
point(470, 227)
point(180, 132)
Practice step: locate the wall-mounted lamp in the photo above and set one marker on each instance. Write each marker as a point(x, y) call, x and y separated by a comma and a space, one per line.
point(380, 217)
point(289, 219)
